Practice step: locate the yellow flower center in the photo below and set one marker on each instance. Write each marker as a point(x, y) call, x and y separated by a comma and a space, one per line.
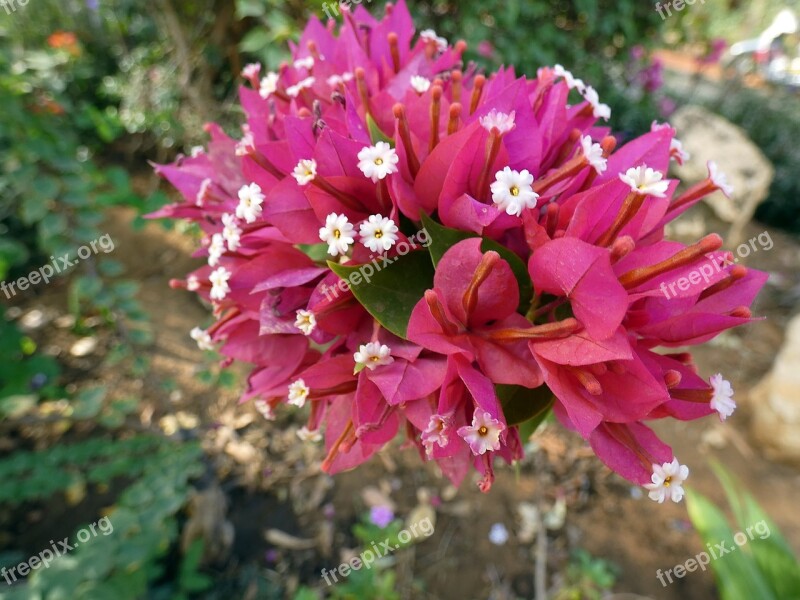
point(514, 191)
point(378, 161)
point(337, 234)
point(379, 234)
point(374, 358)
point(483, 431)
point(667, 481)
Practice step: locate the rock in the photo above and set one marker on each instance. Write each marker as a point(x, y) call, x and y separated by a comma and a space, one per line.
point(707, 136)
point(83, 347)
point(775, 402)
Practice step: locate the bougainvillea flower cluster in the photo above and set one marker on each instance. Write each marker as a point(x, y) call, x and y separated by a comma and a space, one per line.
point(403, 246)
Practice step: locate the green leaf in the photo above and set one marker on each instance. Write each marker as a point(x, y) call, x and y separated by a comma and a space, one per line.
point(443, 238)
point(772, 552)
point(89, 402)
point(375, 133)
point(523, 405)
point(391, 293)
point(255, 40)
point(737, 574)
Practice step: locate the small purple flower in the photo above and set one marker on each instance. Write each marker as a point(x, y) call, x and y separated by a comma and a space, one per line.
point(381, 515)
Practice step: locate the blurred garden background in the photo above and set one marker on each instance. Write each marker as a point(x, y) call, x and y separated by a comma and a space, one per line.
point(108, 407)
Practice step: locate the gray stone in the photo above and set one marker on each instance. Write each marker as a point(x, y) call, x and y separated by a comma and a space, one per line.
point(775, 402)
point(707, 136)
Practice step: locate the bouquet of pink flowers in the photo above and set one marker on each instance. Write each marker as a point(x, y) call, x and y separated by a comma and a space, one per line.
point(403, 244)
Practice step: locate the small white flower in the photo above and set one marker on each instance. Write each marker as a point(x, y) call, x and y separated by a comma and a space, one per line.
point(378, 233)
point(305, 171)
point(250, 200)
point(667, 481)
point(231, 232)
point(420, 84)
point(378, 161)
point(722, 401)
point(572, 82)
point(203, 192)
point(216, 249)
point(338, 234)
point(305, 321)
point(594, 154)
point(298, 392)
point(601, 111)
point(263, 407)
point(246, 145)
point(437, 432)
point(484, 433)
point(677, 152)
point(512, 191)
point(219, 283)
point(646, 181)
point(304, 63)
point(192, 283)
point(251, 71)
point(429, 35)
point(203, 338)
point(306, 435)
point(196, 151)
point(373, 355)
point(269, 85)
point(498, 534)
point(502, 121)
point(719, 179)
point(294, 91)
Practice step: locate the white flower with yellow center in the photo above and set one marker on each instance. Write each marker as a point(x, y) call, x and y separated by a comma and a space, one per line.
point(372, 356)
point(429, 35)
point(294, 91)
point(722, 400)
point(215, 249)
point(503, 122)
point(484, 433)
point(437, 432)
point(378, 233)
point(305, 321)
point(264, 408)
point(203, 338)
point(420, 84)
point(298, 393)
point(600, 110)
point(719, 179)
point(219, 283)
point(668, 481)
point(645, 181)
point(250, 201)
point(512, 191)
point(378, 161)
point(231, 232)
point(338, 234)
point(251, 71)
point(269, 85)
point(304, 63)
point(305, 171)
point(306, 435)
point(594, 154)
